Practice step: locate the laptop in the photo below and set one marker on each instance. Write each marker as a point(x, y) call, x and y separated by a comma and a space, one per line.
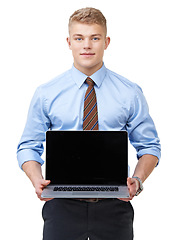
point(86, 164)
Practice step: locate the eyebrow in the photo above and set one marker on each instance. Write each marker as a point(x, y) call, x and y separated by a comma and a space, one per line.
point(80, 35)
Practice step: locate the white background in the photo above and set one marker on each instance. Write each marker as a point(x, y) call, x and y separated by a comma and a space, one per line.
point(33, 50)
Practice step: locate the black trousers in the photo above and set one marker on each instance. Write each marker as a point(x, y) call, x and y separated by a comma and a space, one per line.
point(70, 219)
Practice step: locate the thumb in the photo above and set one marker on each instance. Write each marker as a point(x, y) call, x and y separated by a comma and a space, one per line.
point(45, 182)
point(130, 181)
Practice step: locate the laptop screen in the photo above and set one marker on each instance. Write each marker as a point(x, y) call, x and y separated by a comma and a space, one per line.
point(87, 157)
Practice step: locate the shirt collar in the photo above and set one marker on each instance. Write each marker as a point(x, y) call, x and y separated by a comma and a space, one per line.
point(80, 77)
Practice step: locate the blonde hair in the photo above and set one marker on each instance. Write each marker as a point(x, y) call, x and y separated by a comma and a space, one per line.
point(88, 16)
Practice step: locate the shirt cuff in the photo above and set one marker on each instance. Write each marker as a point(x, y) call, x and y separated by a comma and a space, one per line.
point(153, 152)
point(26, 155)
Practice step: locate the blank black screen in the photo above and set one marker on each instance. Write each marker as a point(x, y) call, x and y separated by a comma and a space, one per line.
point(87, 157)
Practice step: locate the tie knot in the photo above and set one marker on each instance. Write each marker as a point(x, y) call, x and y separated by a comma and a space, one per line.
point(90, 82)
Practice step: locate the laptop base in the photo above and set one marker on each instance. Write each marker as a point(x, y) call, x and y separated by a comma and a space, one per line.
point(59, 191)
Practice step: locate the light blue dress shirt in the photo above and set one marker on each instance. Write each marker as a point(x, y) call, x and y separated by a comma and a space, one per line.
point(58, 105)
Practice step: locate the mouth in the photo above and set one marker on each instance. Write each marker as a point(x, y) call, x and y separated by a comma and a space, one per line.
point(87, 54)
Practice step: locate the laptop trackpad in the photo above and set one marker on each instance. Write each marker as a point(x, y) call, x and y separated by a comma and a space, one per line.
point(84, 194)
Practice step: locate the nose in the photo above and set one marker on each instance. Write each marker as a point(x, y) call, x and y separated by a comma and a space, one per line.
point(87, 44)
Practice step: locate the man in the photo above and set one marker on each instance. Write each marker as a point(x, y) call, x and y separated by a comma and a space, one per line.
point(59, 105)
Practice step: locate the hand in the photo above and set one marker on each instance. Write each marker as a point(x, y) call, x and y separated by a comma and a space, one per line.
point(33, 171)
point(39, 185)
point(133, 186)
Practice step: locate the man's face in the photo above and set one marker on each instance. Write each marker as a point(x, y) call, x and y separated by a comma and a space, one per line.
point(87, 43)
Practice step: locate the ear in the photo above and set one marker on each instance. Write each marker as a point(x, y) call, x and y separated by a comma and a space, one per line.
point(107, 42)
point(68, 41)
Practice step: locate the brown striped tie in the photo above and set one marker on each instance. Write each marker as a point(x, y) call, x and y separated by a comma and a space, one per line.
point(90, 116)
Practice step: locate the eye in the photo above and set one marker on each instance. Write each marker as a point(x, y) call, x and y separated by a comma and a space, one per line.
point(79, 39)
point(95, 39)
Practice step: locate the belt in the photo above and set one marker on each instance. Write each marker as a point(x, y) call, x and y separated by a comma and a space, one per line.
point(91, 200)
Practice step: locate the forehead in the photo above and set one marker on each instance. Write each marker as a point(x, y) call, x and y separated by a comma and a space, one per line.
point(77, 28)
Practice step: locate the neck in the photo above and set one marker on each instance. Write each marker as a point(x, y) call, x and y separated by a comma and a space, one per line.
point(90, 70)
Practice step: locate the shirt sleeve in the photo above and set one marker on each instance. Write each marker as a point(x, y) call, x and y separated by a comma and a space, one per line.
point(30, 147)
point(141, 128)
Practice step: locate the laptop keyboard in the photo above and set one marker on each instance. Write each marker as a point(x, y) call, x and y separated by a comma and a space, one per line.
point(104, 189)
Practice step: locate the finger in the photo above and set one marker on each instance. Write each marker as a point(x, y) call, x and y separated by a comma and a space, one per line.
point(132, 190)
point(39, 190)
point(46, 199)
point(132, 193)
point(126, 199)
point(43, 199)
point(38, 193)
